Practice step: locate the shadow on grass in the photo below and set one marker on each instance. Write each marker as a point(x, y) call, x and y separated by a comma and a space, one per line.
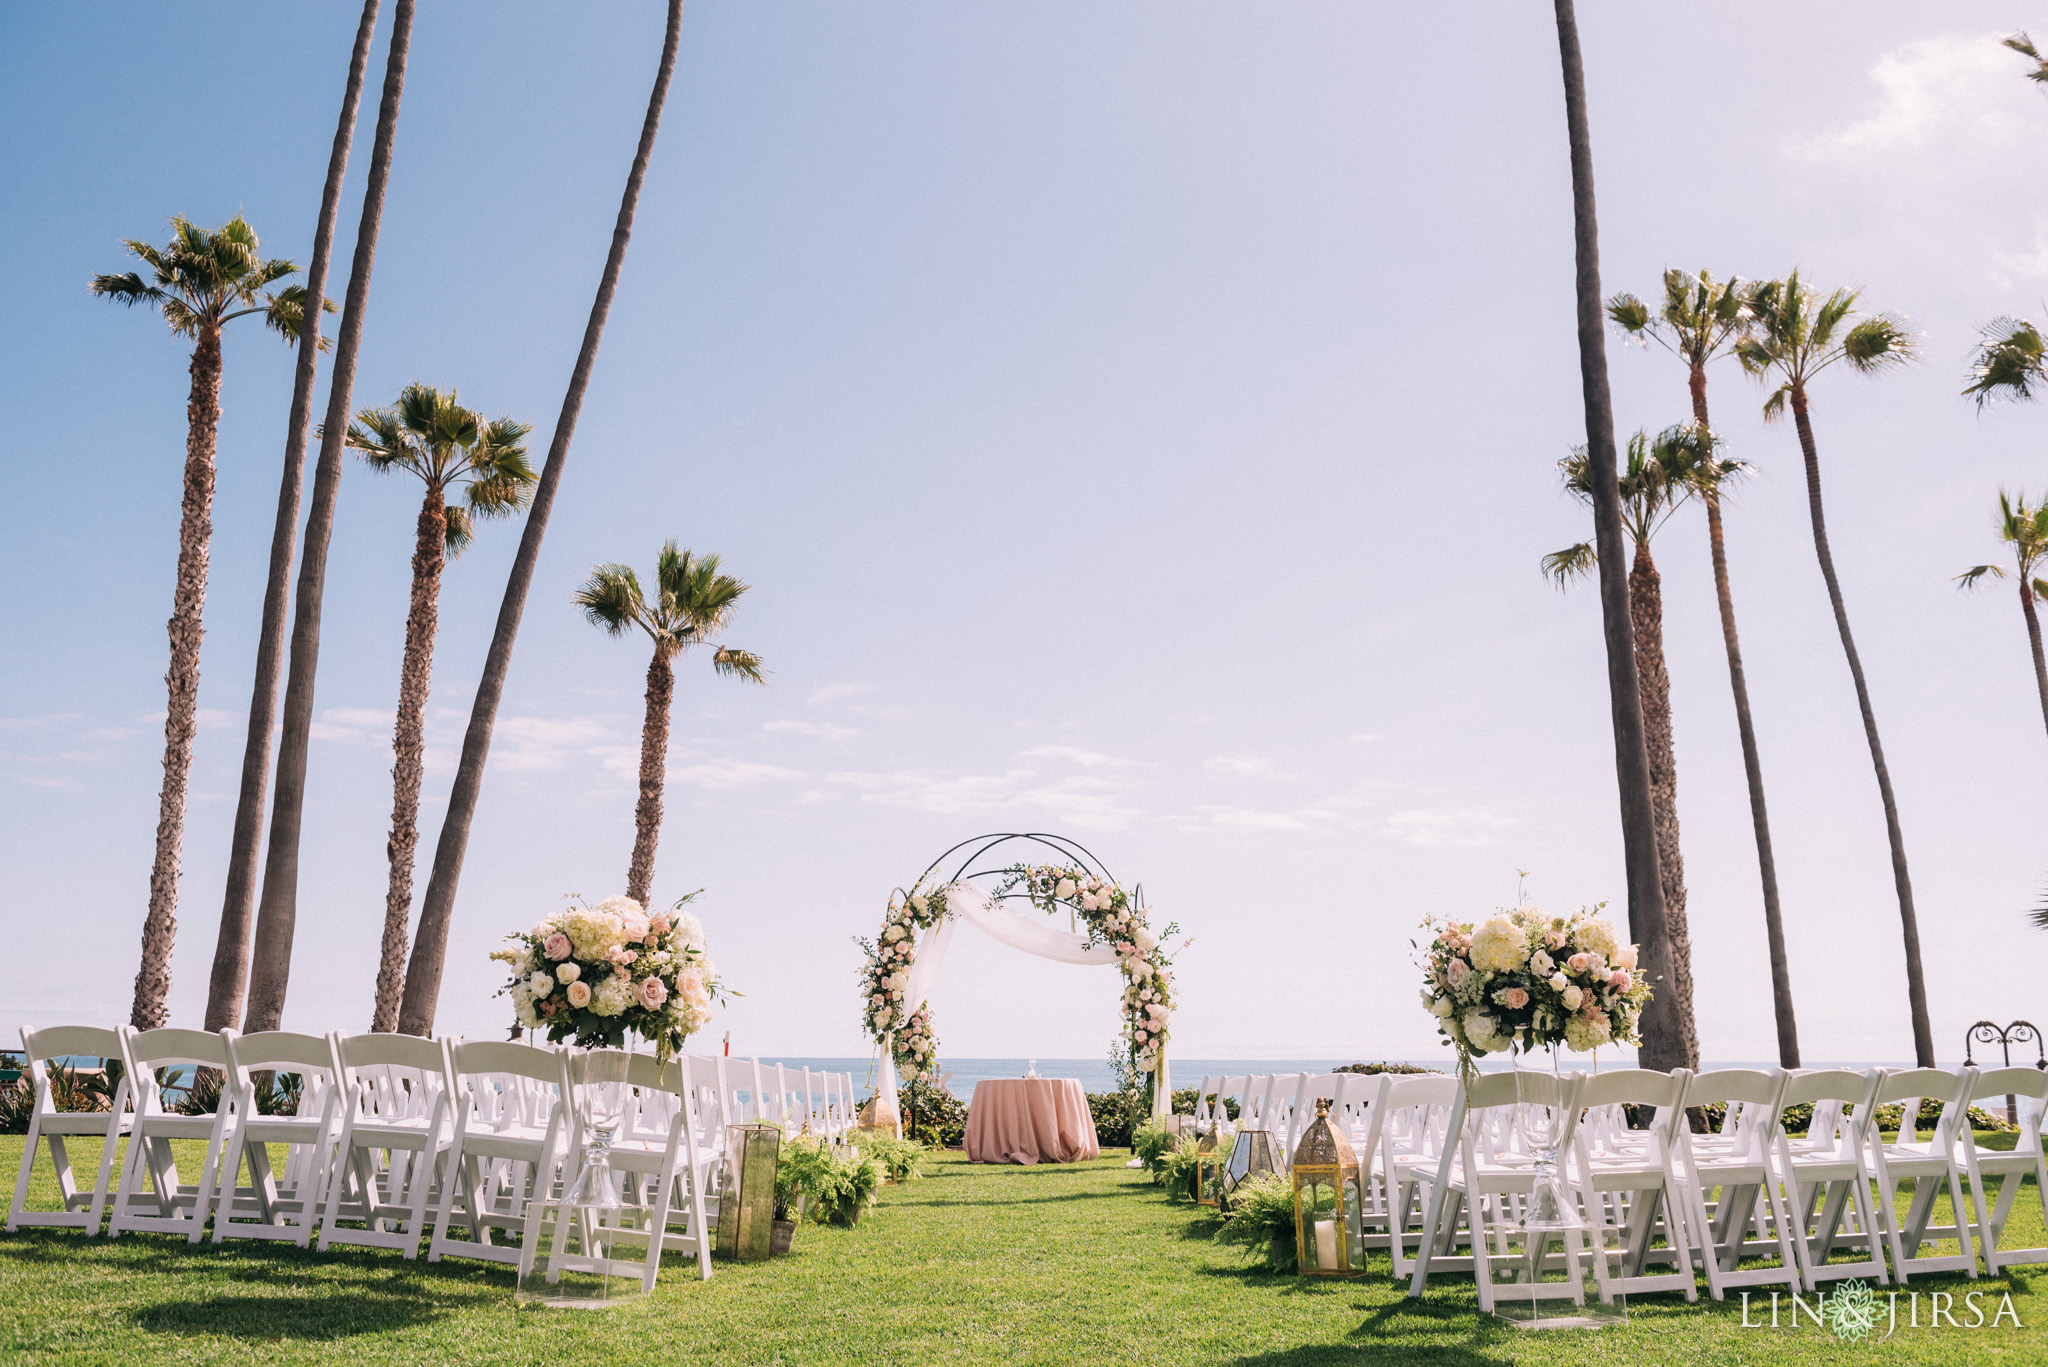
point(339, 1313)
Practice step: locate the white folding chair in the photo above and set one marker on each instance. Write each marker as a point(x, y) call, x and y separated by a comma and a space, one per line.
point(1748, 1216)
point(169, 1206)
point(508, 1113)
point(396, 1124)
point(1827, 1178)
point(1638, 1173)
point(287, 1208)
point(2030, 1087)
point(1480, 1174)
point(1929, 1165)
point(49, 1126)
point(1414, 1135)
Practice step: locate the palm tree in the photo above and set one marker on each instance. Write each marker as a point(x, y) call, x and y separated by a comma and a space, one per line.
point(270, 957)
point(1631, 757)
point(1702, 318)
point(200, 283)
point(2024, 45)
point(1655, 479)
point(238, 908)
point(1797, 336)
point(446, 446)
point(692, 603)
point(430, 946)
point(2026, 531)
point(2011, 362)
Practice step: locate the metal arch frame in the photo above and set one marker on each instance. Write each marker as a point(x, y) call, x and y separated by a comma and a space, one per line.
point(1073, 850)
point(2017, 1032)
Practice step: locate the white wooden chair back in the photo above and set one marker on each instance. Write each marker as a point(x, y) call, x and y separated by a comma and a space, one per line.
point(51, 1128)
point(1929, 1165)
point(170, 1206)
point(2029, 1089)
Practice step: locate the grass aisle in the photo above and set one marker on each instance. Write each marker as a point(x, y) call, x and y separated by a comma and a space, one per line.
point(972, 1264)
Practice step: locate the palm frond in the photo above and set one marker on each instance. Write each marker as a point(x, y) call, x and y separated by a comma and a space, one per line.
point(1970, 578)
point(381, 435)
point(459, 531)
point(1878, 342)
point(1774, 406)
point(2041, 590)
point(2011, 360)
point(2024, 45)
point(1573, 562)
point(611, 599)
point(499, 495)
point(129, 289)
point(1630, 314)
point(742, 664)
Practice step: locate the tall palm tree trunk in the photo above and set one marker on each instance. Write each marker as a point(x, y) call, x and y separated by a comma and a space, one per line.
point(188, 603)
point(661, 690)
point(1631, 760)
point(1916, 985)
point(2034, 638)
point(430, 947)
point(1752, 765)
point(408, 745)
point(1646, 619)
point(238, 908)
point(277, 913)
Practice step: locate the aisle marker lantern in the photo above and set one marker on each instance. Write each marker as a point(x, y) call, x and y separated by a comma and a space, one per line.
point(1253, 1152)
point(1212, 1153)
point(1328, 1238)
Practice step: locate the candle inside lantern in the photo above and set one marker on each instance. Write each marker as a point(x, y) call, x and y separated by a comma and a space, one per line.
point(1326, 1243)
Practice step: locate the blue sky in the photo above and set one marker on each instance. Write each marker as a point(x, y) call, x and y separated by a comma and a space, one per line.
point(1136, 421)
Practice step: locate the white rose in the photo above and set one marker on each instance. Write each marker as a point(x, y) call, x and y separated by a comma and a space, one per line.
point(1439, 1006)
point(1559, 981)
point(1572, 998)
point(568, 973)
point(918, 904)
point(540, 984)
point(1145, 940)
point(1065, 889)
point(1541, 964)
point(523, 1009)
point(892, 935)
point(1625, 957)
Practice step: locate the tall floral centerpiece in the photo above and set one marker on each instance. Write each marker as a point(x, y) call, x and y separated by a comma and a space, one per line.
point(886, 1014)
point(1527, 980)
point(591, 974)
point(1113, 918)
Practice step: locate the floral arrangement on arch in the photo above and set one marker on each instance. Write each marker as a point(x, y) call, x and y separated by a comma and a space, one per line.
point(1526, 980)
point(884, 978)
point(591, 974)
point(1114, 919)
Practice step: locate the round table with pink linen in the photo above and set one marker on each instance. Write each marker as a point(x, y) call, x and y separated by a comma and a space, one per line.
point(1030, 1120)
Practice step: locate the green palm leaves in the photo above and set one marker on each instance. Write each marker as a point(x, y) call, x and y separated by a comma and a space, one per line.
point(1699, 318)
point(2009, 362)
point(1656, 477)
point(198, 279)
point(2024, 529)
point(693, 601)
point(429, 434)
point(1796, 334)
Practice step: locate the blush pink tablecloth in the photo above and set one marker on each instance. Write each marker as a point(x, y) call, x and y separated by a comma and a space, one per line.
point(1030, 1120)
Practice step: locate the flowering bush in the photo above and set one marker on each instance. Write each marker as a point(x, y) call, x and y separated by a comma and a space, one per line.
point(1115, 920)
point(1526, 979)
point(593, 973)
point(885, 975)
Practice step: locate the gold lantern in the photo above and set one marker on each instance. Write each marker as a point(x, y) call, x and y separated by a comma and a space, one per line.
point(878, 1117)
point(1328, 1198)
point(746, 1199)
point(1253, 1152)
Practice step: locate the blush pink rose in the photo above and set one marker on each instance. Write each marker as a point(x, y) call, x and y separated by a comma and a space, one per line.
point(653, 992)
point(1457, 970)
point(621, 971)
point(1619, 980)
point(1579, 963)
point(690, 982)
point(556, 946)
point(579, 994)
point(1515, 998)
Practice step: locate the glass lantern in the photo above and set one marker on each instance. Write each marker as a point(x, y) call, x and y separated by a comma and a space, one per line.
point(746, 1196)
point(1253, 1152)
point(1212, 1155)
point(1548, 1277)
point(1329, 1240)
point(568, 1256)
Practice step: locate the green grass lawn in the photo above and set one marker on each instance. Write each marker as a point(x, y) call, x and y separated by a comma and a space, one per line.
point(1077, 1264)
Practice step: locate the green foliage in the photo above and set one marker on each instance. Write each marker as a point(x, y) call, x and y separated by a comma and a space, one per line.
point(693, 602)
point(198, 279)
point(932, 1115)
point(1399, 1069)
point(1116, 1115)
point(1261, 1220)
point(17, 1105)
point(1184, 1102)
point(832, 1187)
point(901, 1160)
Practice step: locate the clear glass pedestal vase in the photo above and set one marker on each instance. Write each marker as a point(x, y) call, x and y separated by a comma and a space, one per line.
point(1559, 1277)
point(572, 1238)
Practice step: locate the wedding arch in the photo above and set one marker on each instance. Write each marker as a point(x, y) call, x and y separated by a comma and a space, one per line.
point(1006, 884)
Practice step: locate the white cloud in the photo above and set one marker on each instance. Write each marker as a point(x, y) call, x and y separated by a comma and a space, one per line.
point(1450, 826)
point(1245, 766)
point(529, 744)
point(1957, 90)
point(822, 730)
point(1069, 754)
point(733, 773)
point(834, 692)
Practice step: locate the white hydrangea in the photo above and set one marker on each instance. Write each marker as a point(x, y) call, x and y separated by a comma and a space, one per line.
point(612, 996)
point(1500, 946)
point(689, 931)
point(1596, 936)
point(593, 930)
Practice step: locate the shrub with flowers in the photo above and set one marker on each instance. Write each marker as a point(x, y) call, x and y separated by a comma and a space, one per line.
point(1526, 979)
point(886, 974)
point(1115, 919)
point(591, 974)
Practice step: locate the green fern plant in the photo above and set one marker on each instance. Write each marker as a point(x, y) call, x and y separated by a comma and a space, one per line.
point(1261, 1220)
